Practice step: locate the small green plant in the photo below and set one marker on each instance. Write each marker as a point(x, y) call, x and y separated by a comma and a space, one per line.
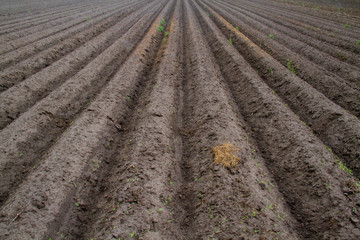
point(160, 28)
point(21, 154)
point(358, 42)
point(77, 204)
point(230, 41)
point(271, 71)
point(132, 234)
point(164, 40)
point(333, 34)
point(271, 36)
point(347, 25)
point(237, 28)
point(162, 23)
point(290, 66)
point(166, 34)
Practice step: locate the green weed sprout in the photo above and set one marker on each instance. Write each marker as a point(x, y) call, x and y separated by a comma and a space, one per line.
point(290, 66)
point(271, 36)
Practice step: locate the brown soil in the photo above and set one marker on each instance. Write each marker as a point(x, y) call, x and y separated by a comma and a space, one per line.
point(178, 119)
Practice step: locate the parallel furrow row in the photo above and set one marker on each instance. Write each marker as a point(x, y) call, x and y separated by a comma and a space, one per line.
point(24, 69)
point(321, 24)
point(29, 50)
point(109, 128)
point(342, 130)
point(310, 48)
point(334, 17)
point(28, 25)
point(38, 128)
point(298, 160)
point(243, 201)
point(21, 18)
point(346, 95)
point(82, 20)
point(339, 39)
point(95, 124)
point(280, 24)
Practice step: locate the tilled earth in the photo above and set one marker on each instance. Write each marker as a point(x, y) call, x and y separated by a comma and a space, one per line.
point(109, 111)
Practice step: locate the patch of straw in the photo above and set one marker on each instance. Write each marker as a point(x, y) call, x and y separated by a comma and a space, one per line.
point(224, 155)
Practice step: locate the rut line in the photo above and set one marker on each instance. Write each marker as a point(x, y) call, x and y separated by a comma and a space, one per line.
point(56, 118)
point(27, 51)
point(56, 74)
point(261, 113)
point(19, 29)
point(328, 15)
point(350, 45)
point(19, 19)
point(186, 195)
point(207, 190)
point(296, 43)
point(7, 49)
point(37, 62)
point(296, 93)
point(298, 26)
point(43, 17)
point(347, 95)
point(326, 25)
point(127, 122)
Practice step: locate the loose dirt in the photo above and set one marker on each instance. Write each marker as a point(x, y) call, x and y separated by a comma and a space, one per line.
point(179, 119)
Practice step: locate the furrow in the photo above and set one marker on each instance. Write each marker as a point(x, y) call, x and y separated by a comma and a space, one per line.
point(281, 24)
point(290, 40)
point(29, 50)
point(328, 16)
point(19, 98)
point(308, 10)
point(97, 124)
point(335, 126)
point(80, 22)
point(141, 155)
point(21, 71)
point(320, 195)
point(221, 202)
point(21, 19)
point(321, 24)
point(34, 132)
point(27, 27)
point(338, 40)
point(346, 94)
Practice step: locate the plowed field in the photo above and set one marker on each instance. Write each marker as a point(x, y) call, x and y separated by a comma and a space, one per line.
point(112, 112)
